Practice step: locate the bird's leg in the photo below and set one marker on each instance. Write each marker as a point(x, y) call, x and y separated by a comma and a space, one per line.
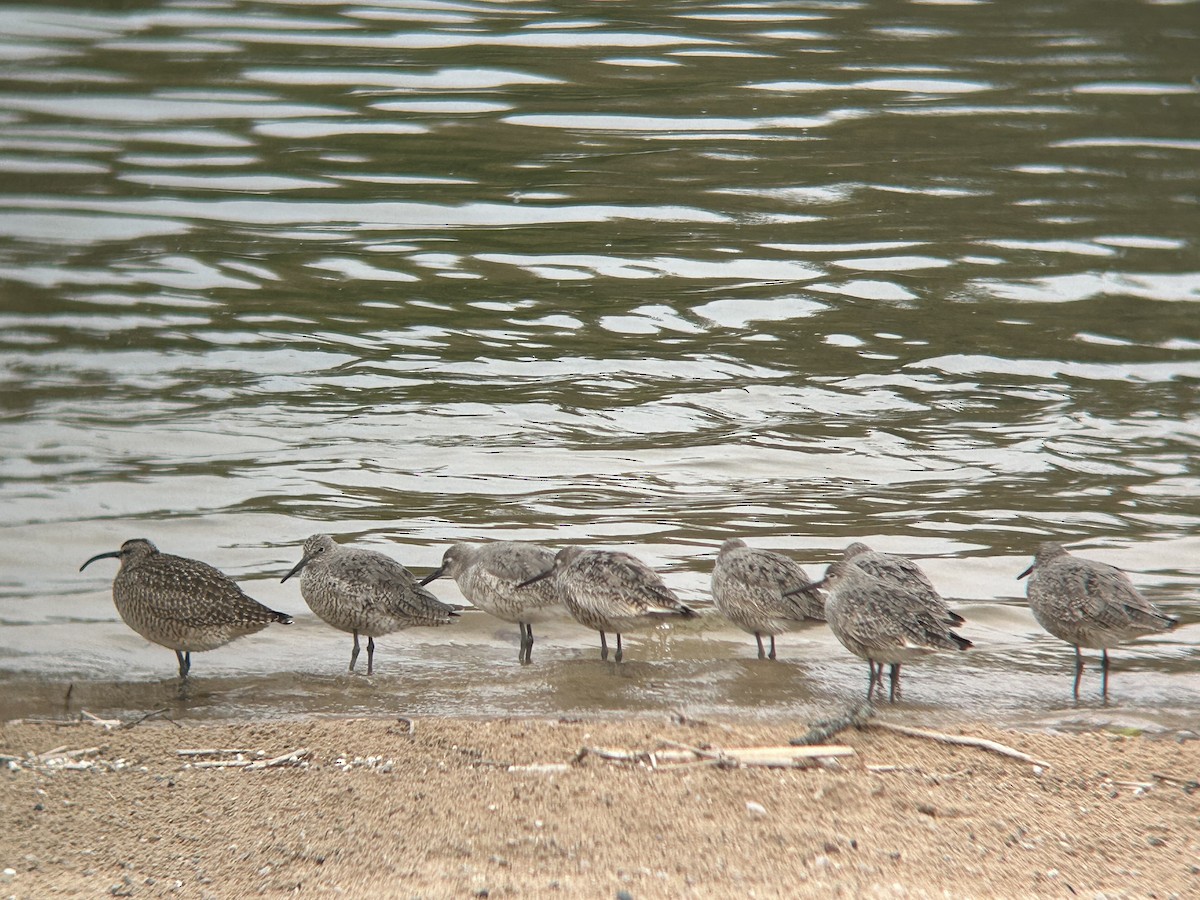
point(370, 654)
point(761, 653)
point(354, 652)
point(185, 663)
point(893, 681)
point(1078, 670)
point(875, 676)
point(619, 652)
point(1104, 673)
point(603, 647)
point(771, 655)
point(525, 657)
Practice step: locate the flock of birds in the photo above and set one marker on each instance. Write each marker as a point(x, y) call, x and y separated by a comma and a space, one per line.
point(880, 606)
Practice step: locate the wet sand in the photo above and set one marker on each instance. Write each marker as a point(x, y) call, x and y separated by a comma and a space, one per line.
point(454, 810)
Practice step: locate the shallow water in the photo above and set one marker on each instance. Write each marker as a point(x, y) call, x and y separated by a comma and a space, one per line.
point(636, 275)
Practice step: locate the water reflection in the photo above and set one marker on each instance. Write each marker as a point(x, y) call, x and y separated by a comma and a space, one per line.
point(924, 276)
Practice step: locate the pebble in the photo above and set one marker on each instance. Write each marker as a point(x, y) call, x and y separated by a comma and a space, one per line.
point(755, 809)
point(7, 876)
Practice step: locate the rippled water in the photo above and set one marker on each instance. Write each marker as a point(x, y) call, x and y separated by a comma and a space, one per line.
point(640, 275)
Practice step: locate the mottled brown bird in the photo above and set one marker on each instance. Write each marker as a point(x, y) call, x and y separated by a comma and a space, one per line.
point(1088, 604)
point(182, 604)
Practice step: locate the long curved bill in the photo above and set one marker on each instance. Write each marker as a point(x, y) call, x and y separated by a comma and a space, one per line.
point(113, 554)
point(536, 578)
point(433, 576)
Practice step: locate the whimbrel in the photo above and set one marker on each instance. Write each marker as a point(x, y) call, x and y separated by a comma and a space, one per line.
point(607, 590)
point(886, 623)
point(748, 587)
point(364, 592)
point(1089, 604)
point(488, 576)
point(182, 604)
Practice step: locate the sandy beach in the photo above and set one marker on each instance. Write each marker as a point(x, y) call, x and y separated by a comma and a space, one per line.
point(443, 807)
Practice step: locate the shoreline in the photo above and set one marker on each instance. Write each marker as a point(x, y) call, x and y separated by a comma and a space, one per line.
point(510, 807)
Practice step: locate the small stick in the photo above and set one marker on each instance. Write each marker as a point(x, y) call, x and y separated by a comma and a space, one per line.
point(820, 732)
point(42, 757)
point(211, 751)
point(220, 764)
point(712, 755)
point(106, 724)
point(287, 759)
point(86, 751)
point(135, 722)
point(961, 740)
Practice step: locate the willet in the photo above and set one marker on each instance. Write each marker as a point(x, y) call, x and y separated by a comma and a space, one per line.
point(1088, 604)
point(900, 572)
point(182, 604)
point(748, 587)
point(488, 576)
point(364, 592)
point(607, 590)
point(886, 623)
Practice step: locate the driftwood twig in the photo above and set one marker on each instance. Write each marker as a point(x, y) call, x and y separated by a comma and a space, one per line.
point(286, 759)
point(961, 740)
point(820, 732)
point(671, 753)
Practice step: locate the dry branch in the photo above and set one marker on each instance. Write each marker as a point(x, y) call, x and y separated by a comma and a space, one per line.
point(961, 740)
point(677, 754)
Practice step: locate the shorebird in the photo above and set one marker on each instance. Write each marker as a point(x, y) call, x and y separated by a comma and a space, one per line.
point(886, 623)
point(607, 590)
point(1088, 604)
point(748, 587)
point(182, 604)
point(364, 592)
point(489, 574)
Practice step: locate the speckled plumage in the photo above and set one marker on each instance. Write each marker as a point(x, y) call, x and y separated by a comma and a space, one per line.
point(886, 623)
point(182, 604)
point(610, 591)
point(762, 592)
point(364, 592)
point(488, 576)
point(1088, 604)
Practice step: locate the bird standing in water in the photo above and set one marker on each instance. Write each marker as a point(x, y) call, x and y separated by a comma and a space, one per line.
point(1088, 604)
point(886, 623)
point(488, 576)
point(610, 591)
point(763, 593)
point(182, 604)
point(364, 592)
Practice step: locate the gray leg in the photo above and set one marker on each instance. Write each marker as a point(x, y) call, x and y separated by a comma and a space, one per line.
point(603, 647)
point(354, 652)
point(526, 655)
point(875, 676)
point(758, 638)
point(772, 653)
point(1078, 669)
point(893, 681)
point(1104, 673)
point(370, 655)
point(185, 663)
point(619, 653)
